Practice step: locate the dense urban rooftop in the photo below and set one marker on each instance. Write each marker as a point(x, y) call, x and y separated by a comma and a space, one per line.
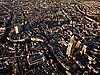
point(49, 37)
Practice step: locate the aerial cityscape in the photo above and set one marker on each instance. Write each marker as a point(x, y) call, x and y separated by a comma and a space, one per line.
point(49, 37)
